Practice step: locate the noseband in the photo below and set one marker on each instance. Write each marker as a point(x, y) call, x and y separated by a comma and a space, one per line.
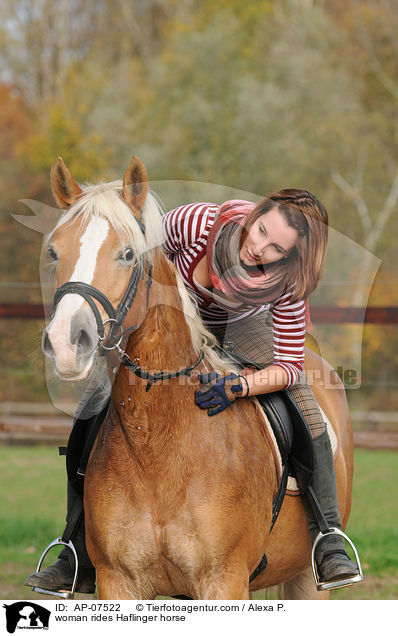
point(116, 318)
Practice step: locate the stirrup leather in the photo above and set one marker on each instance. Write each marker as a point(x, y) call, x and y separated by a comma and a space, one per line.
point(333, 585)
point(67, 594)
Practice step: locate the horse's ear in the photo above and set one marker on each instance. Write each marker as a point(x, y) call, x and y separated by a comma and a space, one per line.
point(135, 185)
point(64, 187)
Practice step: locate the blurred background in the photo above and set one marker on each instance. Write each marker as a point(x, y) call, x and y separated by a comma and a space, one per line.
point(235, 96)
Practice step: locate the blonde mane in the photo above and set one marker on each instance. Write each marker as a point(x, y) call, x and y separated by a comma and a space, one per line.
point(105, 200)
point(202, 339)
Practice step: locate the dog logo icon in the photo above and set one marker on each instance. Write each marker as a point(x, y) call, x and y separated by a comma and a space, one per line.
point(26, 615)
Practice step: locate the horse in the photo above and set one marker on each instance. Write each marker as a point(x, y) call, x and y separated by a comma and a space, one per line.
point(176, 503)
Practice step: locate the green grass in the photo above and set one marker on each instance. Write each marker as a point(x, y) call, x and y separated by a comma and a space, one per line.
point(374, 514)
point(32, 513)
point(373, 524)
point(32, 506)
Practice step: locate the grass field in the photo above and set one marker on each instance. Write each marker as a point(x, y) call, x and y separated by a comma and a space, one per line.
point(32, 512)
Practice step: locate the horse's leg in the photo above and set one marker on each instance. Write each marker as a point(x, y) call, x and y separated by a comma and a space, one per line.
point(301, 588)
point(231, 591)
point(231, 586)
point(113, 584)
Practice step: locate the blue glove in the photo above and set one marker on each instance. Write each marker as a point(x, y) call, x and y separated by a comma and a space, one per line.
point(221, 394)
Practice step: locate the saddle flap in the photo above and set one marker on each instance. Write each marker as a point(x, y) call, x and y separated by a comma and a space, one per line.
point(281, 422)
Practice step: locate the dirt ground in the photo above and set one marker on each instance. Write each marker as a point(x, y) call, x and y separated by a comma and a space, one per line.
point(372, 588)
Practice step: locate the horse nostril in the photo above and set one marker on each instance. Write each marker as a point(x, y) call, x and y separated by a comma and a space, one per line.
point(83, 341)
point(46, 344)
point(83, 334)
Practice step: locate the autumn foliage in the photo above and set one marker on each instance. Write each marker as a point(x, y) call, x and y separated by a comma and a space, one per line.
point(256, 96)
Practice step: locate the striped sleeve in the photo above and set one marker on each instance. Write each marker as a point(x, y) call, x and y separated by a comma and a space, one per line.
point(289, 327)
point(186, 228)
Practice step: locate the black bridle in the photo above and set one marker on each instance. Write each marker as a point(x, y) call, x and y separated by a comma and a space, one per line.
point(116, 318)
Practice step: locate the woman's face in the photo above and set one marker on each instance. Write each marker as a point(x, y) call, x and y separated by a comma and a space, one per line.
point(269, 240)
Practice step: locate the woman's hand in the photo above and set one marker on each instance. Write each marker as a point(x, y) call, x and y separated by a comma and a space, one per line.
point(223, 391)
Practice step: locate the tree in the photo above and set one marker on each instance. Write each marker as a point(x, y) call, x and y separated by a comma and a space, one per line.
point(39, 40)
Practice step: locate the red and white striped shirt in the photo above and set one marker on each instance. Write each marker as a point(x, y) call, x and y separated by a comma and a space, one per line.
point(187, 228)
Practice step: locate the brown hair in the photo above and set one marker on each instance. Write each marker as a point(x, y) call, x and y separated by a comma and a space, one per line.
point(304, 212)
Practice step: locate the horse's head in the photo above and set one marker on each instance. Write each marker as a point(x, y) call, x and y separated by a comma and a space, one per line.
point(99, 248)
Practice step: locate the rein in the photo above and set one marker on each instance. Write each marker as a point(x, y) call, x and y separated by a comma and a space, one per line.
point(116, 318)
point(161, 375)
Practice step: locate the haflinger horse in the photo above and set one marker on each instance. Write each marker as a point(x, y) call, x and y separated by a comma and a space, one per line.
point(176, 503)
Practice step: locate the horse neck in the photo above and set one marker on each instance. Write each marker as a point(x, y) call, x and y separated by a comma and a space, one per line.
point(164, 337)
point(162, 343)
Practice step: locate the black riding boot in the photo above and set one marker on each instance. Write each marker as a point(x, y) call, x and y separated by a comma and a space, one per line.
point(332, 560)
point(59, 576)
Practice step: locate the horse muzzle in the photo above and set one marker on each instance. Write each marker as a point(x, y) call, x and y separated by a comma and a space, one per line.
point(71, 343)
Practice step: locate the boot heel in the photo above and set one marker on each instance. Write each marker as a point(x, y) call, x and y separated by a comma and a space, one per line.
point(69, 594)
point(333, 585)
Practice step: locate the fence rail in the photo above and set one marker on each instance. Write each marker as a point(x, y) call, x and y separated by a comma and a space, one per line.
point(48, 410)
point(35, 426)
point(33, 423)
point(319, 313)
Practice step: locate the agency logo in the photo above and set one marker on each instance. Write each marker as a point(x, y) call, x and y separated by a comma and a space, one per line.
point(26, 615)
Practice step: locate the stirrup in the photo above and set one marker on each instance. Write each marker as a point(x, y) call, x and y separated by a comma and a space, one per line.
point(68, 544)
point(333, 585)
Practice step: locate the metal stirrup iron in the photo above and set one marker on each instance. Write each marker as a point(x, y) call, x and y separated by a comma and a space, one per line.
point(66, 594)
point(333, 585)
point(326, 530)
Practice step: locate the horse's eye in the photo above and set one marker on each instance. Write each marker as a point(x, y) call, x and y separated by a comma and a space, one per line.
point(128, 255)
point(52, 253)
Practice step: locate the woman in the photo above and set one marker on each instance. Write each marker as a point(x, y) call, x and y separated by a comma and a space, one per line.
point(251, 269)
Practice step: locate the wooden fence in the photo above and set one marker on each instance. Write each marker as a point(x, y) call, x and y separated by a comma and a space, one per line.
point(319, 314)
point(33, 423)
